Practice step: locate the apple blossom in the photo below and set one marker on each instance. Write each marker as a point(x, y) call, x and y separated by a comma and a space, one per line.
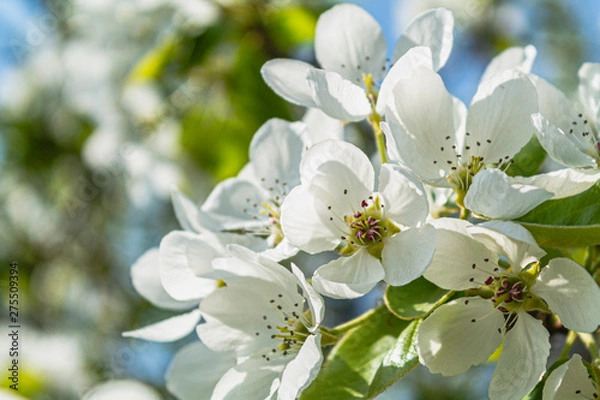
point(350, 46)
point(259, 316)
point(468, 330)
point(380, 235)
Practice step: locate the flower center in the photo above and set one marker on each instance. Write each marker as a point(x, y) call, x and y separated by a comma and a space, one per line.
point(273, 213)
point(269, 207)
point(511, 293)
point(462, 175)
point(367, 227)
point(284, 331)
point(582, 135)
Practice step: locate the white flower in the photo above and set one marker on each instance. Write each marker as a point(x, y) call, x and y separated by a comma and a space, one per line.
point(568, 130)
point(178, 276)
point(381, 235)
point(469, 153)
point(570, 381)
point(467, 331)
point(351, 48)
point(250, 202)
point(260, 318)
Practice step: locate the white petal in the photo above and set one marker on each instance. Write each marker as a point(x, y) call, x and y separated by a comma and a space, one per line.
point(402, 69)
point(419, 133)
point(407, 254)
point(589, 88)
point(571, 293)
point(350, 42)
point(491, 194)
point(338, 97)
point(433, 29)
point(348, 277)
point(558, 146)
point(560, 111)
point(189, 215)
point(569, 382)
point(275, 153)
point(202, 249)
point(499, 123)
point(509, 239)
point(339, 152)
point(520, 58)
point(249, 380)
point(404, 197)
point(302, 370)
point(315, 301)
point(288, 79)
point(236, 203)
point(459, 334)
point(145, 274)
point(523, 360)
point(245, 266)
point(230, 326)
point(562, 183)
point(178, 278)
point(454, 270)
point(197, 369)
point(302, 225)
point(284, 250)
point(169, 330)
point(321, 127)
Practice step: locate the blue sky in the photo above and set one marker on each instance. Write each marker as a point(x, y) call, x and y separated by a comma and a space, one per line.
point(24, 24)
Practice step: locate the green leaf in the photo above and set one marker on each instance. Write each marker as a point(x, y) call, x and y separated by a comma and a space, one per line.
point(398, 361)
point(153, 63)
point(414, 300)
point(528, 160)
point(354, 361)
point(570, 222)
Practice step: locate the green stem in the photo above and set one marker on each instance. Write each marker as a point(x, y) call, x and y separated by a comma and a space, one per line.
point(591, 262)
point(571, 337)
point(440, 302)
point(380, 140)
point(464, 213)
point(328, 337)
point(590, 343)
point(374, 118)
point(345, 327)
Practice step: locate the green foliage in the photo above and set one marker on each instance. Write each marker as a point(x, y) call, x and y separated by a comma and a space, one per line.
point(414, 300)
point(399, 361)
point(528, 161)
point(570, 222)
point(370, 354)
point(292, 26)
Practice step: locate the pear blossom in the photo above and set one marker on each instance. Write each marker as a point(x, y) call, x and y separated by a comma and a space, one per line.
point(568, 129)
point(351, 48)
point(250, 203)
point(177, 276)
point(380, 235)
point(468, 330)
point(470, 152)
point(571, 381)
point(267, 343)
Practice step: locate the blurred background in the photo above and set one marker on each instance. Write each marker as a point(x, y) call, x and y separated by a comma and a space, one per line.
point(106, 105)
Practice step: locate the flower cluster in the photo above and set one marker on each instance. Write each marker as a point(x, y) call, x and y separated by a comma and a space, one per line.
point(445, 206)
